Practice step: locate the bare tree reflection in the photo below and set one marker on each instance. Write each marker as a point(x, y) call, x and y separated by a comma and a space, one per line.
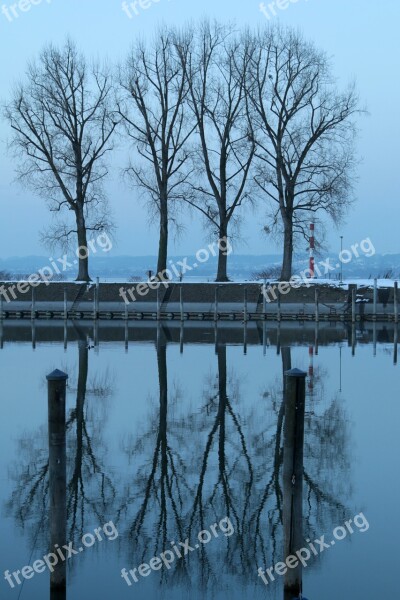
point(160, 483)
point(90, 490)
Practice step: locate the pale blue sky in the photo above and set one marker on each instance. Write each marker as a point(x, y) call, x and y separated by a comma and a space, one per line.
point(360, 35)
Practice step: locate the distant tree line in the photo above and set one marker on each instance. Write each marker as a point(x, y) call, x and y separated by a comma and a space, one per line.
point(218, 119)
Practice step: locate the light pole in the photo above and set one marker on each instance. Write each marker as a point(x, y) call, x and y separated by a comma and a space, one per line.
point(341, 263)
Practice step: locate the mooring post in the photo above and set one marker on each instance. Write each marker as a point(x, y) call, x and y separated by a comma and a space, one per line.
point(245, 312)
point(1, 335)
point(65, 304)
point(126, 335)
point(158, 303)
point(181, 302)
point(395, 304)
point(33, 332)
point(245, 337)
point(33, 312)
point(65, 335)
point(57, 382)
point(353, 305)
point(375, 296)
point(216, 303)
point(293, 450)
point(374, 337)
point(395, 342)
point(1, 308)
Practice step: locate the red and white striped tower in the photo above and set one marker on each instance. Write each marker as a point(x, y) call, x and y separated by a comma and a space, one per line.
point(312, 247)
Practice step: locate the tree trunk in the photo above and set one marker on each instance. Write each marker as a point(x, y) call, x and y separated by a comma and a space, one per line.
point(286, 271)
point(222, 272)
point(163, 241)
point(83, 250)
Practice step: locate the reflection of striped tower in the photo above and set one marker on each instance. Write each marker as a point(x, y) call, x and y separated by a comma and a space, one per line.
point(312, 246)
point(311, 368)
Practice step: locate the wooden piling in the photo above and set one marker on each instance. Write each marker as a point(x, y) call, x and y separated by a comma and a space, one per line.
point(57, 381)
point(395, 302)
point(216, 304)
point(293, 451)
point(245, 311)
point(375, 297)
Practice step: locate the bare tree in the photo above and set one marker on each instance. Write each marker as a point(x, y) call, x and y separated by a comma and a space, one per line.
point(62, 124)
point(215, 68)
point(152, 106)
point(305, 133)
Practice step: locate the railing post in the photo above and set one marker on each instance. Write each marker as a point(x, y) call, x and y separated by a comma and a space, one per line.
point(65, 304)
point(375, 296)
point(57, 382)
point(33, 313)
point(264, 293)
point(158, 303)
point(181, 302)
point(278, 315)
point(216, 303)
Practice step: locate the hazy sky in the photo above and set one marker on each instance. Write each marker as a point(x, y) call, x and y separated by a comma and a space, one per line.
point(360, 35)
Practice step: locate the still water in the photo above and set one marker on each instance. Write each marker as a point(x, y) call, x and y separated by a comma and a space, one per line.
point(172, 433)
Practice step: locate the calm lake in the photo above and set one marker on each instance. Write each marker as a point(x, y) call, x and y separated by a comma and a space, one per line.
point(175, 438)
